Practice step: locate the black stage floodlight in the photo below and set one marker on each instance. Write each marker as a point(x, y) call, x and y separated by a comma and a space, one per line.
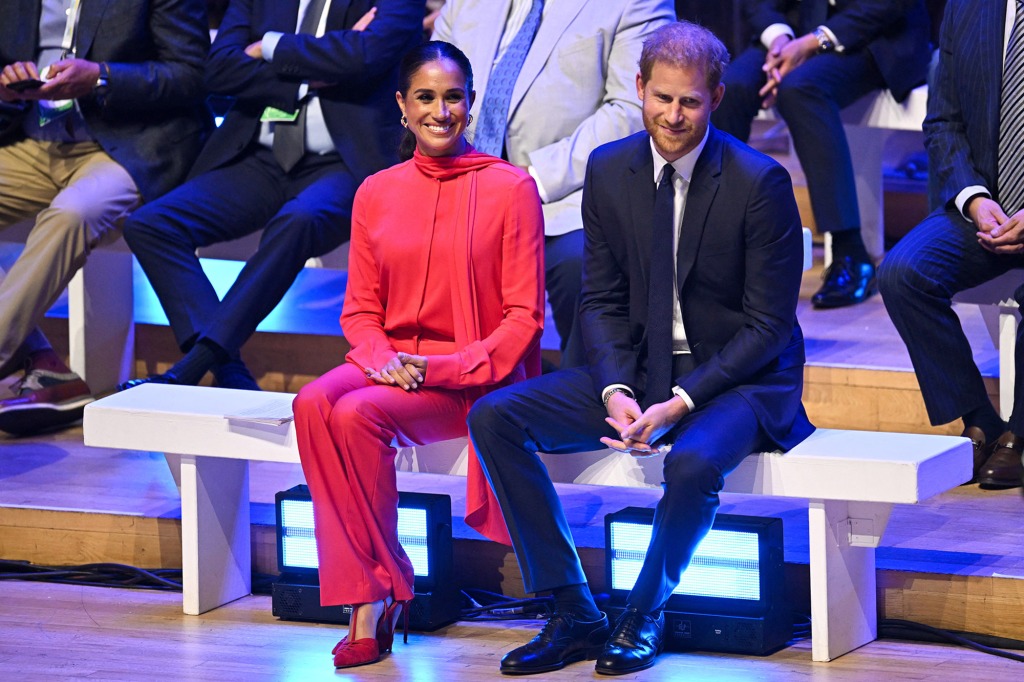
point(731, 597)
point(425, 531)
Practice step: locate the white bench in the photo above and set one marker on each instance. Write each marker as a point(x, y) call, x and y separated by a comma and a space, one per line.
point(852, 479)
point(865, 122)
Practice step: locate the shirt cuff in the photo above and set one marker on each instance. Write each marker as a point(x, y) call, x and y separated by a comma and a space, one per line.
point(270, 40)
point(832, 37)
point(610, 387)
point(769, 35)
point(685, 396)
point(540, 185)
point(967, 193)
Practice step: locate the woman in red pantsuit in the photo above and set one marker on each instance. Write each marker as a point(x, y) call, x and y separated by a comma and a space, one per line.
point(445, 301)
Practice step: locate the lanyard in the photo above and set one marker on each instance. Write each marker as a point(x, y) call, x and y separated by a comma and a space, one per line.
point(67, 44)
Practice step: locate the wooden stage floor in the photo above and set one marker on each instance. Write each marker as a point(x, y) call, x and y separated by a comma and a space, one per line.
point(61, 632)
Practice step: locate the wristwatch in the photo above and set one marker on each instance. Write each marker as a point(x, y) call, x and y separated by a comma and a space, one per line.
point(102, 84)
point(825, 43)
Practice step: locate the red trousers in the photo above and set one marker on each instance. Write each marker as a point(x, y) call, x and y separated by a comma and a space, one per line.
point(347, 429)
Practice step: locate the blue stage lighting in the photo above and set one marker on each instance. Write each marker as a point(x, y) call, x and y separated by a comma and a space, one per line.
point(424, 530)
point(298, 542)
point(730, 598)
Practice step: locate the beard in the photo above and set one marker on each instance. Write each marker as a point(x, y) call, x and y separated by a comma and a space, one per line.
point(674, 146)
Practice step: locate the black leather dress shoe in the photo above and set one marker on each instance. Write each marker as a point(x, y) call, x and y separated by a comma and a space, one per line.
point(634, 644)
point(563, 640)
point(1004, 468)
point(165, 378)
point(847, 282)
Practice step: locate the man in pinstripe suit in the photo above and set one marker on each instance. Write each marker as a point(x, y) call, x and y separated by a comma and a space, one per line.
point(976, 235)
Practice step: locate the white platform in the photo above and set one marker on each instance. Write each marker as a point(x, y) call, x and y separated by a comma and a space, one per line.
point(851, 478)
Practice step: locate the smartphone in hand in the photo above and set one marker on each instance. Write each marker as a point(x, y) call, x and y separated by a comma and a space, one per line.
point(27, 84)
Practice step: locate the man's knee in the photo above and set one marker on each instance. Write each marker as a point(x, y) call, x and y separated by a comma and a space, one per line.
point(796, 91)
point(689, 468)
point(899, 275)
point(486, 414)
point(148, 225)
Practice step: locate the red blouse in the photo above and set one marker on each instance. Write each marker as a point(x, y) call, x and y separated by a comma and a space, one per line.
point(446, 260)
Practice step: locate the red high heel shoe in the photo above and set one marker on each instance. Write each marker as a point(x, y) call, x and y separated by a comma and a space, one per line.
point(386, 626)
point(349, 653)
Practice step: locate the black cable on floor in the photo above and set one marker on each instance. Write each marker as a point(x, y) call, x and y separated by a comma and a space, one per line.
point(486, 605)
point(100, 575)
point(891, 628)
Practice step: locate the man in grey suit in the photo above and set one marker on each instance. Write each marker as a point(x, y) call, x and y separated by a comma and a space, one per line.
point(975, 132)
point(573, 91)
point(117, 122)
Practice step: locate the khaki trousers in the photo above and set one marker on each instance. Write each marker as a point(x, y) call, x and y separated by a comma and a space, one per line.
point(79, 198)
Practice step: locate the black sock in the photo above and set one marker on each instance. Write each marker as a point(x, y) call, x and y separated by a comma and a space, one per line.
point(849, 243)
point(197, 362)
point(234, 374)
point(577, 600)
point(987, 419)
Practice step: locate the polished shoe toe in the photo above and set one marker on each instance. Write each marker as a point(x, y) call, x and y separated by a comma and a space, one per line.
point(1004, 468)
point(635, 643)
point(563, 640)
point(847, 282)
point(165, 378)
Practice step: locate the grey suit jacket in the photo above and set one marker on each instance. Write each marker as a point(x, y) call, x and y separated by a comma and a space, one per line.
point(576, 91)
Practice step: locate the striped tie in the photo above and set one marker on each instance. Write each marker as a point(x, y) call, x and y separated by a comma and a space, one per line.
point(490, 131)
point(1011, 120)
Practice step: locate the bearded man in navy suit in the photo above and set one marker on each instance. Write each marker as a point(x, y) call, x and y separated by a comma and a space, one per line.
point(692, 266)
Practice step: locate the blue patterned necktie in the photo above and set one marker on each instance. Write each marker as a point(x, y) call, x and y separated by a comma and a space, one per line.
point(659, 293)
point(1011, 121)
point(490, 130)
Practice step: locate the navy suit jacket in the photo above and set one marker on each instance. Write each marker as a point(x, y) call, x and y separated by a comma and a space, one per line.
point(151, 119)
point(739, 265)
point(359, 109)
point(895, 32)
point(962, 126)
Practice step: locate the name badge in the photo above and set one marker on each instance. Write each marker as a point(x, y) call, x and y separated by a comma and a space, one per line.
point(274, 115)
point(50, 111)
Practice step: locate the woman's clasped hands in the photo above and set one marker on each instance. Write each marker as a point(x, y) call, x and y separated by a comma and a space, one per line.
point(405, 370)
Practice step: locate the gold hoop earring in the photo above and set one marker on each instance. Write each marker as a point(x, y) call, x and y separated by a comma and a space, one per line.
point(404, 121)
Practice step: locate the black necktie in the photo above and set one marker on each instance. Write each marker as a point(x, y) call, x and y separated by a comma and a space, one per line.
point(659, 293)
point(290, 138)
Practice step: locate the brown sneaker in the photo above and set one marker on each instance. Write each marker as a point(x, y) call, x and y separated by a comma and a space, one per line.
point(45, 400)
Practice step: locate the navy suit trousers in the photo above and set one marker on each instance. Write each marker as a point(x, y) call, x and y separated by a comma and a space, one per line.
point(918, 279)
point(561, 413)
point(303, 214)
